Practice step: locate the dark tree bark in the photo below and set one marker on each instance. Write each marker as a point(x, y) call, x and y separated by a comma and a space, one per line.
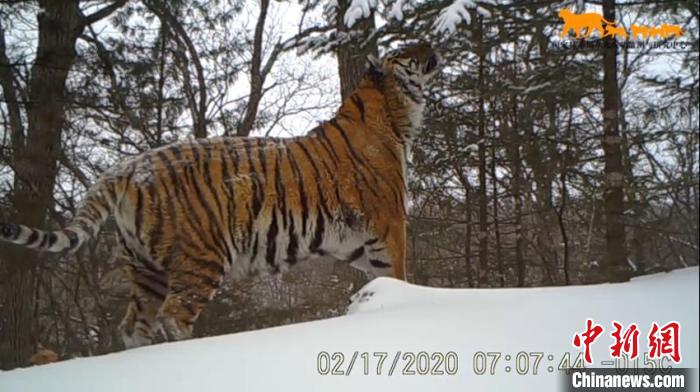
point(464, 180)
point(7, 81)
point(496, 207)
point(35, 163)
point(615, 264)
point(256, 79)
point(352, 57)
point(562, 227)
point(513, 144)
point(514, 157)
point(483, 199)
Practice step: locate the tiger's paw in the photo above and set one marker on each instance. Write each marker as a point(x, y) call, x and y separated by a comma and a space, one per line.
point(174, 330)
point(362, 296)
point(360, 301)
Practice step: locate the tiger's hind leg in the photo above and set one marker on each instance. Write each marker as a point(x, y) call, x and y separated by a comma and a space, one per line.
point(140, 324)
point(192, 283)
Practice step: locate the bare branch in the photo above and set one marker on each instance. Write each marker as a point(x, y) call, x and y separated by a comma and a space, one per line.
point(199, 112)
point(103, 13)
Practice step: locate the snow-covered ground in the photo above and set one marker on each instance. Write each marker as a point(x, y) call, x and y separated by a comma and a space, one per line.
point(390, 316)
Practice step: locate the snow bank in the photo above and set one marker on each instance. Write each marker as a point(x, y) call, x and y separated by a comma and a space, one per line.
point(391, 316)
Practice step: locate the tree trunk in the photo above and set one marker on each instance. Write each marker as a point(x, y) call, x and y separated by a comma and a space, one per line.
point(483, 202)
point(636, 205)
point(496, 228)
point(35, 166)
point(464, 180)
point(257, 77)
point(352, 57)
point(517, 197)
point(615, 264)
point(562, 227)
point(513, 150)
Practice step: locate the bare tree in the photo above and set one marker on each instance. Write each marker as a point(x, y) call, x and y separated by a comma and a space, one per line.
point(613, 192)
point(35, 158)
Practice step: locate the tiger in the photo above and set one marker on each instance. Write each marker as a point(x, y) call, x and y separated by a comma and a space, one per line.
point(192, 213)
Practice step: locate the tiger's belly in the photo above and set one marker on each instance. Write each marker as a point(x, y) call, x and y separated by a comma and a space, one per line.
point(272, 254)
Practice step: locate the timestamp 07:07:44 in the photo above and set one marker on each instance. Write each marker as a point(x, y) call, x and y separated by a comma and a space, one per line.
point(523, 362)
point(536, 362)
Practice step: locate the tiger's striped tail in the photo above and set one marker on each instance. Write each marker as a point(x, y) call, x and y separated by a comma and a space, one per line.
point(85, 225)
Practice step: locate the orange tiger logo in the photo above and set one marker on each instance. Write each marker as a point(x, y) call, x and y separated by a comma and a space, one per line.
point(190, 213)
point(667, 30)
point(595, 22)
point(580, 22)
point(664, 31)
point(615, 31)
point(641, 31)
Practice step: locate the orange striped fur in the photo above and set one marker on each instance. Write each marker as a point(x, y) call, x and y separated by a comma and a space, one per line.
point(192, 212)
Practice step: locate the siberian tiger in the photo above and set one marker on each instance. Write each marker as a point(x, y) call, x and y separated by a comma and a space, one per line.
point(191, 212)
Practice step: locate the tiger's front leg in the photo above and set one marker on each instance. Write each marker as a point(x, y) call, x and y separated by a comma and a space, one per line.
point(191, 284)
point(386, 254)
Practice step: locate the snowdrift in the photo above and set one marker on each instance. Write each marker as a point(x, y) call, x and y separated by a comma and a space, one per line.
point(452, 326)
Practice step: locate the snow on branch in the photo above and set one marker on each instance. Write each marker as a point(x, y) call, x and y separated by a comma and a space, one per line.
point(453, 14)
point(397, 10)
point(357, 10)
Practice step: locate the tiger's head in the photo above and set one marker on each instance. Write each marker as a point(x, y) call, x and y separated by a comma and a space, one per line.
point(402, 75)
point(412, 66)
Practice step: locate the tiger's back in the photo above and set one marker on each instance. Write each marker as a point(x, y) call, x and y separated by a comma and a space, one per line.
point(257, 205)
